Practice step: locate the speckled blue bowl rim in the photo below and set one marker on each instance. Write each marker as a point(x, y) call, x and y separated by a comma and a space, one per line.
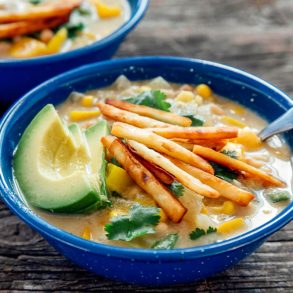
point(50, 231)
point(95, 46)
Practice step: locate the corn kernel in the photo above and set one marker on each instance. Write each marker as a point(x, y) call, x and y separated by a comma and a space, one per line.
point(185, 96)
point(204, 210)
point(84, 115)
point(117, 178)
point(237, 109)
point(249, 140)
point(231, 226)
point(107, 11)
point(86, 234)
point(117, 212)
point(27, 47)
point(228, 208)
point(56, 43)
point(232, 121)
point(204, 91)
point(87, 101)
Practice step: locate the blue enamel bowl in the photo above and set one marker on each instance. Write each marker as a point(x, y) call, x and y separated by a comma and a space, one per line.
point(18, 76)
point(143, 266)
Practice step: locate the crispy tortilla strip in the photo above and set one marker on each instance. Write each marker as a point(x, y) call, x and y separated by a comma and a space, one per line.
point(117, 114)
point(145, 179)
point(160, 115)
point(226, 189)
point(14, 29)
point(197, 132)
point(189, 143)
point(180, 175)
point(160, 144)
point(47, 9)
point(235, 164)
point(160, 173)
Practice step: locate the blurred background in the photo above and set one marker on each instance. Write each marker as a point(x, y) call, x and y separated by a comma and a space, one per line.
point(254, 35)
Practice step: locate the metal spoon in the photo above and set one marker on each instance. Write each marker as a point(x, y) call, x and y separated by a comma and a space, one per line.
point(282, 124)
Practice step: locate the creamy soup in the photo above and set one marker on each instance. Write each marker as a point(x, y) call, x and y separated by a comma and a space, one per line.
point(207, 217)
point(42, 27)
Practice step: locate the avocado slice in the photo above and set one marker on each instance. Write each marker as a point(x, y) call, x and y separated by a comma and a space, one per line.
point(48, 169)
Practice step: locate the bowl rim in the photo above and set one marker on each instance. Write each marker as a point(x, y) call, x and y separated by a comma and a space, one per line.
point(142, 6)
point(50, 231)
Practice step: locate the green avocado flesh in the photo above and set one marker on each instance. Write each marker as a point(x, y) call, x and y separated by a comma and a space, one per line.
point(53, 165)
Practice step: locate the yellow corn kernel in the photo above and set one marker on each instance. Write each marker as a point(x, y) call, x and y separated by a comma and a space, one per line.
point(249, 140)
point(204, 210)
point(84, 115)
point(228, 208)
point(115, 212)
point(185, 96)
point(56, 43)
point(117, 178)
point(204, 91)
point(86, 234)
point(87, 101)
point(232, 121)
point(231, 226)
point(107, 11)
point(237, 109)
point(27, 48)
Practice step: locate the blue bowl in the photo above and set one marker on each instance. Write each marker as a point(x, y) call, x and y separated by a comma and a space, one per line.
point(143, 266)
point(20, 76)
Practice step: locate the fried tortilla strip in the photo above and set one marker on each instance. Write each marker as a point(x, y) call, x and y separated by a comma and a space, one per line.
point(44, 10)
point(235, 164)
point(145, 179)
point(160, 144)
point(117, 114)
point(180, 175)
point(189, 143)
point(226, 189)
point(160, 173)
point(197, 132)
point(160, 115)
point(14, 29)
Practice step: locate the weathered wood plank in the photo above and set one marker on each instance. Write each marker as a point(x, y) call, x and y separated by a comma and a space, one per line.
point(255, 35)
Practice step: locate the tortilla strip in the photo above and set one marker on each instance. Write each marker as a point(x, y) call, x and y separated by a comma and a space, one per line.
point(226, 189)
point(117, 114)
point(160, 144)
point(180, 175)
point(160, 115)
point(14, 29)
point(197, 132)
point(40, 11)
point(235, 164)
point(159, 172)
point(213, 144)
point(145, 179)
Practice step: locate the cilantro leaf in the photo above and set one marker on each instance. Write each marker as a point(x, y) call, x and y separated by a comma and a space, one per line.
point(278, 195)
point(197, 233)
point(152, 98)
point(176, 188)
point(73, 29)
point(167, 242)
point(211, 230)
point(195, 121)
point(231, 154)
point(35, 2)
point(140, 221)
point(223, 172)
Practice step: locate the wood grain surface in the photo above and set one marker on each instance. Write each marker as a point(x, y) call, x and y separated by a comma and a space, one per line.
point(255, 35)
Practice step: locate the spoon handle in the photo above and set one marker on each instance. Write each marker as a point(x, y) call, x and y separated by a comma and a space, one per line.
point(282, 124)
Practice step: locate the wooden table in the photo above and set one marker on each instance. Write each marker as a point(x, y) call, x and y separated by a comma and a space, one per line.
point(255, 35)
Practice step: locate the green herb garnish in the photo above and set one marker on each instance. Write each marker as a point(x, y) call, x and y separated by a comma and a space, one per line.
point(140, 221)
point(278, 195)
point(152, 98)
point(115, 162)
point(198, 232)
point(176, 188)
point(35, 2)
point(195, 121)
point(83, 11)
point(231, 154)
point(167, 242)
point(223, 172)
point(73, 29)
